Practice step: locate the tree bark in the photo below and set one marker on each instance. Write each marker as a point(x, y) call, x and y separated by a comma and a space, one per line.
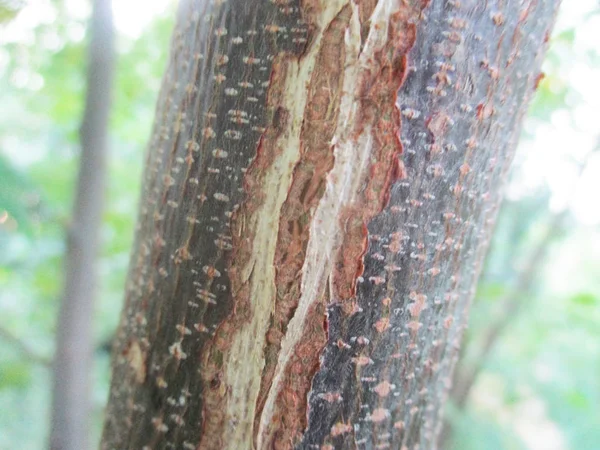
point(319, 193)
point(71, 395)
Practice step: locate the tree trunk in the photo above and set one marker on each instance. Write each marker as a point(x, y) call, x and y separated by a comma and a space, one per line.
point(319, 193)
point(71, 394)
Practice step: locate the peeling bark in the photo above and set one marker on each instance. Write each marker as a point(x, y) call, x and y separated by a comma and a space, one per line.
point(320, 189)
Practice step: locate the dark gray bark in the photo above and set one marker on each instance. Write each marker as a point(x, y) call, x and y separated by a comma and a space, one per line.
point(319, 193)
point(71, 395)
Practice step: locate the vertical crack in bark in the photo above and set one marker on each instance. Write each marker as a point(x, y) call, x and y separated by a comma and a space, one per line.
point(377, 126)
point(366, 149)
point(306, 189)
point(234, 362)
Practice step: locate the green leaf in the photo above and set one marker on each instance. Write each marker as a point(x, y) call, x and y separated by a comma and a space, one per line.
point(584, 299)
point(14, 375)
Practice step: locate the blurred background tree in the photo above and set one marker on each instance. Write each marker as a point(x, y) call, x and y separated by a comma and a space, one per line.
point(537, 386)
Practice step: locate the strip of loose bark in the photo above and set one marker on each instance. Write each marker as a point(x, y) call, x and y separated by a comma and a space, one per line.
point(71, 396)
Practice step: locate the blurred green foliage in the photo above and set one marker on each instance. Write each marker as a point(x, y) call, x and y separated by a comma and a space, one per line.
point(539, 387)
point(42, 82)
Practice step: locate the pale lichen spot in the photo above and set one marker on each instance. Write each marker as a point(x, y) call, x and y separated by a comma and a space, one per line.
point(208, 133)
point(211, 271)
point(340, 428)
point(434, 271)
point(383, 389)
point(414, 325)
point(273, 28)
point(177, 419)
point(221, 197)
point(233, 134)
point(223, 243)
point(464, 169)
point(168, 180)
point(176, 351)
point(497, 18)
point(222, 60)
point(206, 296)
point(449, 215)
point(411, 113)
point(379, 415)
point(331, 397)
point(201, 328)
point(192, 145)
point(395, 245)
point(362, 340)
point(448, 321)
point(251, 60)
point(377, 280)
point(362, 360)
point(182, 329)
point(220, 153)
point(382, 324)
point(159, 425)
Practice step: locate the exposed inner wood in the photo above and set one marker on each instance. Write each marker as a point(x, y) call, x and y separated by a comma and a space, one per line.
point(241, 339)
point(359, 136)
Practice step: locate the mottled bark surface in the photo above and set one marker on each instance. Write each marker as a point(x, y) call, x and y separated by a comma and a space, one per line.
point(320, 190)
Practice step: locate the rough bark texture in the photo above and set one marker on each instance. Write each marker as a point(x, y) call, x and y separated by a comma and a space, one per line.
point(71, 394)
point(319, 193)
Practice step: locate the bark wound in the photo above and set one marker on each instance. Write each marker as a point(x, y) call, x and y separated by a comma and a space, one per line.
point(283, 185)
point(365, 10)
point(246, 246)
point(379, 117)
point(306, 189)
